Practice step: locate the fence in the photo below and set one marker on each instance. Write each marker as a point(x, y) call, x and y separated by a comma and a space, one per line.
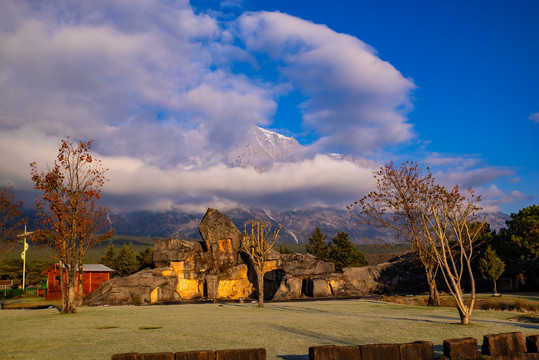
point(507, 346)
point(8, 293)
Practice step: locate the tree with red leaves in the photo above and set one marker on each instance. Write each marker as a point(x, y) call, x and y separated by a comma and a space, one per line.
point(398, 204)
point(71, 219)
point(440, 224)
point(11, 220)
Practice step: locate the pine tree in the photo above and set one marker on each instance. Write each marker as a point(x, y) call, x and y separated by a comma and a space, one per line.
point(109, 259)
point(343, 253)
point(126, 261)
point(491, 266)
point(317, 245)
point(145, 259)
point(283, 249)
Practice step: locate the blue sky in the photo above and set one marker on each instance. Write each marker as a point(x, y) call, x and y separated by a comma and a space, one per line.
point(165, 87)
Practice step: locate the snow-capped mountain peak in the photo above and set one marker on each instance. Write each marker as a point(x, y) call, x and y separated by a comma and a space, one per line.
point(262, 149)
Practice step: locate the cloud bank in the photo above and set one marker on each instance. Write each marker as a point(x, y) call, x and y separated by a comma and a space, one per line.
point(160, 89)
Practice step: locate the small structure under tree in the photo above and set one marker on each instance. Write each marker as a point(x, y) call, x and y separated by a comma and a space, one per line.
point(93, 276)
point(255, 244)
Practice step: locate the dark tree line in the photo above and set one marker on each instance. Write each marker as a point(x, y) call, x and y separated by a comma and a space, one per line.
point(125, 261)
point(339, 251)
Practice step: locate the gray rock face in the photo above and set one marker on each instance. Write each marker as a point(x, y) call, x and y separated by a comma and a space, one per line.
point(317, 281)
point(289, 289)
point(221, 236)
point(165, 251)
point(136, 287)
point(305, 265)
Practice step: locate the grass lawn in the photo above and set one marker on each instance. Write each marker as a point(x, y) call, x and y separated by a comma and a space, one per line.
point(286, 330)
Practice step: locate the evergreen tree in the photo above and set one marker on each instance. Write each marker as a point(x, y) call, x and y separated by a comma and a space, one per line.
point(126, 261)
point(524, 229)
point(491, 266)
point(283, 249)
point(317, 245)
point(343, 253)
point(145, 259)
point(109, 259)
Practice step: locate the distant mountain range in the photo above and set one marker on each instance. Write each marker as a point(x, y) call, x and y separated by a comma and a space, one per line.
point(261, 150)
point(297, 225)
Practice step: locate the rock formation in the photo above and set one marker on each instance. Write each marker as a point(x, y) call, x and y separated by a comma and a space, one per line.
point(216, 269)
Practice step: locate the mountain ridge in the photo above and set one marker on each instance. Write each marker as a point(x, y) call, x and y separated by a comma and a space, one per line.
point(297, 225)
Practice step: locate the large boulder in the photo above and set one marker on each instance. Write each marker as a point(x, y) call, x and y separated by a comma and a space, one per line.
point(305, 265)
point(174, 250)
point(290, 288)
point(148, 286)
point(221, 236)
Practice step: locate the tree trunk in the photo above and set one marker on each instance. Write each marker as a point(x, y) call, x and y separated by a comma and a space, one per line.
point(80, 290)
point(70, 308)
point(495, 290)
point(69, 296)
point(63, 286)
point(260, 279)
point(434, 296)
point(464, 317)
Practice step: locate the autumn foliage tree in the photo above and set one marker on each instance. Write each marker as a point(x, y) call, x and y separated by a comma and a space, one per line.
point(11, 220)
point(257, 242)
point(398, 204)
point(71, 218)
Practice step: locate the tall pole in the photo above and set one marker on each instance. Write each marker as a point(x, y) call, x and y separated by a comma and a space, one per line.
point(23, 255)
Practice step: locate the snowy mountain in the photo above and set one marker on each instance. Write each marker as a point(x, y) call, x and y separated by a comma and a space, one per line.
point(297, 225)
point(262, 149)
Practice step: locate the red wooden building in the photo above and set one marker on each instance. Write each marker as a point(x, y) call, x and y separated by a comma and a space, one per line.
point(93, 275)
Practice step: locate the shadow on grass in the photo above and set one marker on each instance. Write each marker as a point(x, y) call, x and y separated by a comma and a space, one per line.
point(317, 337)
point(293, 357)
point(286, 308)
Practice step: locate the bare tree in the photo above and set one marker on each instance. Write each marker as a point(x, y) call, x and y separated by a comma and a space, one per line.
point(451, 229)
point(398, 204)
point(11, 220)
point(256, 245)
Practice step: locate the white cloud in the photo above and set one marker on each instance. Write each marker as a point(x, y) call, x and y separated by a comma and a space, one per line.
point(152, 83)
point(104, 70)
point(493, 197)
point(534, 117)
point(320, 181)
point(355, 100)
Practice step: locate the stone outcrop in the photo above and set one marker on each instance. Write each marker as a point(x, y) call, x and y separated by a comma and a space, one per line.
point(216, 269)
point(221, 236)
point(173, 250)
point(145, 287)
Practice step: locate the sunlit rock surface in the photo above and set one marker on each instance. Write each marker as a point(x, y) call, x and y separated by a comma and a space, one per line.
point(216, 269)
